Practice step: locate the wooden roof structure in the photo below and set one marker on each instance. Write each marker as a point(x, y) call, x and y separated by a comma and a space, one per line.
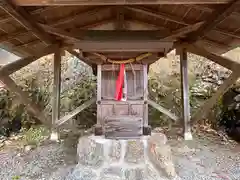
point(28, 27)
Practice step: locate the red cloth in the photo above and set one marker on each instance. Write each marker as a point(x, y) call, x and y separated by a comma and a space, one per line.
point(119, 83)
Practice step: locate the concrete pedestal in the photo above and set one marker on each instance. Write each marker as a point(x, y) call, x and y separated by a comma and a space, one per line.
point(147, 158)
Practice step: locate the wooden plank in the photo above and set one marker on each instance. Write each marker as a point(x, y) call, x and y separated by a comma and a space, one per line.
point(209, 104)
point(75, 112)
point(33, 108)
point(123, 126)
point(176, 19)
point(221, 60)
point(115, 2)
point(213, 20)
point(163, 110)
point(18, 64)
point(185, 95)
point(24, 18)
point(56, 86)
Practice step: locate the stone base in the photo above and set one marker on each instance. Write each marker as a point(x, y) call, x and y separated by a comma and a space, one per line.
point(188, 136)
point(147, 158)
point(54, 136)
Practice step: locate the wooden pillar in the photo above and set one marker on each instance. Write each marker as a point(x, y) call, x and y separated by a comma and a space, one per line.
point(185, 95)
point(146, 127)
point(98, 130)
point(56, 92)
point(145, 95)
point(99, 93)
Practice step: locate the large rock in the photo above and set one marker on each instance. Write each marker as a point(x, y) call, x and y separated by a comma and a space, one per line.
point(147, 158)
point(90, 152)
point(160, 154)
point(135, 151)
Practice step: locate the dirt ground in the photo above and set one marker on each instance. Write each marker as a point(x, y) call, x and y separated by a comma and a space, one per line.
point(206, 157)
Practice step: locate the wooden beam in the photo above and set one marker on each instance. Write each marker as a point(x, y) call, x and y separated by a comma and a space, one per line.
point(182, 31)
point(18, 64)
point(56, 86)
point(176, 19)
point(24, 98)
point(163, 110)
point(80, 57)
point(24, 18)
point(209, 104)
point(124, 46)
point(75, 112)
point(221, 60)
point(185, 95)
point(98, 35)
point(103, 41)
point(115, 2)
point(214, 19)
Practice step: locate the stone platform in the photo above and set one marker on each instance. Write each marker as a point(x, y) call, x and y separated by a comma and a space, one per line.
point(147, 158)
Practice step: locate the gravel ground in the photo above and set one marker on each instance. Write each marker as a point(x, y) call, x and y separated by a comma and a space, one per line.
point(200, 159)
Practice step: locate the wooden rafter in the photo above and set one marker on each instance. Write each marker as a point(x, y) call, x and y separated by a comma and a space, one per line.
point(214, 19)
point(81, 57)
point(24, 18)
point(175, 19)
point(36, 41)
point(223, 61)
point(79, 15)
point(8, 18)
point(182, 31)
point(115, 2)
point(18, 64)
point(58, 22)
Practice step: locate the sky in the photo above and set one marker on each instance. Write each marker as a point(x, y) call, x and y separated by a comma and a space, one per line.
point(6, 57)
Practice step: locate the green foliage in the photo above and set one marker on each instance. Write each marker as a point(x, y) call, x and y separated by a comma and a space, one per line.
point(35, 135)
point(16, 177)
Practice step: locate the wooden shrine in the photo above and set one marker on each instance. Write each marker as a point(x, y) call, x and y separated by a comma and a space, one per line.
point(107, 33)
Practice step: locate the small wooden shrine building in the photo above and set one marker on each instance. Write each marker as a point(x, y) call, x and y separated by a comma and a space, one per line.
point(108, 33)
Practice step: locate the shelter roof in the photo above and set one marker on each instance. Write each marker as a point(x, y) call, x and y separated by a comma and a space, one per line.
point(34, 24)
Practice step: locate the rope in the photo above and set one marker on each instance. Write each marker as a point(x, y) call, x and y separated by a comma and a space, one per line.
point(131, 60)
